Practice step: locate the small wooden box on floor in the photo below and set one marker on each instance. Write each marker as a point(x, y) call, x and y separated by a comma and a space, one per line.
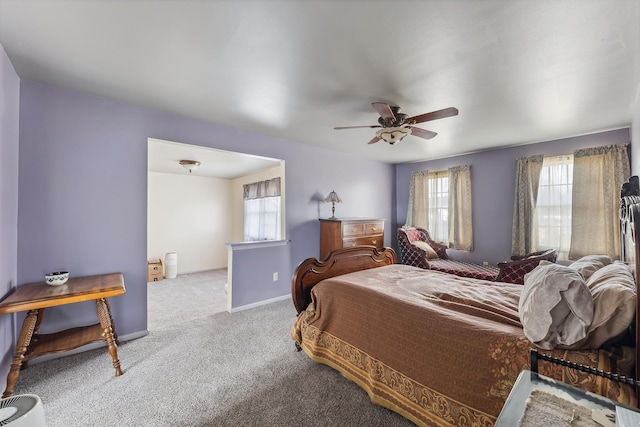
point(154, 271)
point(348, 232)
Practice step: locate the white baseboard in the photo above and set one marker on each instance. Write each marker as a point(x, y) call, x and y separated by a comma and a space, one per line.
point(202, 271)
point(259, 303)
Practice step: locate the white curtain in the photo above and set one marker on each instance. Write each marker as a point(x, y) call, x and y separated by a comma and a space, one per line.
point(598, 175)
point(262, 219)
point(523, 236)
point(418, 210)
point(460, 211)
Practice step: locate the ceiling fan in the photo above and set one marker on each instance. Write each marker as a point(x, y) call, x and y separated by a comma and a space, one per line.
point(394, 125)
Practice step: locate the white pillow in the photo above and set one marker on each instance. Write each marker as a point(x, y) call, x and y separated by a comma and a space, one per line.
point(556, 307)
point(431, 253)
point(614, 300)
point(587, 265)
point(617, 272)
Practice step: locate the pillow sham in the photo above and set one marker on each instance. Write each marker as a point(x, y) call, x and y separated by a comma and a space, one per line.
point(587, 265)
point(431, 253)
point(556, 307)
point(616, 272)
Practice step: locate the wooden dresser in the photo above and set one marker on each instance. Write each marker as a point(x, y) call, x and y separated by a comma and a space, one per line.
point(347, 232)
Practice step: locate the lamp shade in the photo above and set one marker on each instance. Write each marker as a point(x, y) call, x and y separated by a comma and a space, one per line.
point(393, 134)
point(333, 198)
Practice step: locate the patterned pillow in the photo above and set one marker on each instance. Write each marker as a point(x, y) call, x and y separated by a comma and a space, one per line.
point(515, 271)
point(413, 234)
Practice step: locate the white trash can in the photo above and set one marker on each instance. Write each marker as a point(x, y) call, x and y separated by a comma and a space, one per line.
point(170, 265)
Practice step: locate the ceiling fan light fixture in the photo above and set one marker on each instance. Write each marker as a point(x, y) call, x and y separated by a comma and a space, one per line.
point(395, 126)
point(393, 134)
point(189, 165)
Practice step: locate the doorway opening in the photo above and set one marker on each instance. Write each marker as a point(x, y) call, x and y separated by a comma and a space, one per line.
point(194, 214)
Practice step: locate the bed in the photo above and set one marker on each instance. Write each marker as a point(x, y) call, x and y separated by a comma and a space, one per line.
point(439, 349)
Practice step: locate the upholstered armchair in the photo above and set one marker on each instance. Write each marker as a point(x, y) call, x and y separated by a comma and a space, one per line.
point(412, 254)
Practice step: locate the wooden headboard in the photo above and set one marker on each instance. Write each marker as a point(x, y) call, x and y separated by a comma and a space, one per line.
point(341, 261)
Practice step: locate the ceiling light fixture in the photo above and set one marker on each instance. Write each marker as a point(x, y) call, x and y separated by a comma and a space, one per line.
point(393, 134)
point(189, 165)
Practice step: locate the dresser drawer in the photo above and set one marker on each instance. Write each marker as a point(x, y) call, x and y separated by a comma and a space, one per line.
point(374, 228)
point(362, 241)
point(353, 229)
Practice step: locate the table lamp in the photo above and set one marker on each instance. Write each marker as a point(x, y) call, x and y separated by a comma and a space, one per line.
point(333, 198)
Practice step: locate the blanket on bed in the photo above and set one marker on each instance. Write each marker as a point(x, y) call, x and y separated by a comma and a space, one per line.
point(438, 349)
point(465, 269)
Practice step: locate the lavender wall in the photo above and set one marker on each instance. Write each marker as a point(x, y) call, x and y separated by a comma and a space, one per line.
point(83, 189)
point(493, 187)
point(273, 259)
point(9, 116)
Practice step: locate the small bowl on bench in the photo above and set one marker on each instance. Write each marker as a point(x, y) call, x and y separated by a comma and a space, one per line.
point(56, 278)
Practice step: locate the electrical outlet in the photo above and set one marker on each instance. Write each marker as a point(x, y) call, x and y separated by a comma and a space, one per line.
point(485, 263)
point(275, 276)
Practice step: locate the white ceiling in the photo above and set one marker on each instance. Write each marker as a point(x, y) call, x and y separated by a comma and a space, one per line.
point(165, 156)
point(519, 71)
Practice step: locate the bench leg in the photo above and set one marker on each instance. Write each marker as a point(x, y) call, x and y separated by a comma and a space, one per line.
point(106, 322)
point(33, 319)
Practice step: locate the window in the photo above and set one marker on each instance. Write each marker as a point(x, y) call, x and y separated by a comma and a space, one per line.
point(438, 196)
point(441, 203)
point(577, 205)
point(262, 219)
point(553, 206)
point(262, 211)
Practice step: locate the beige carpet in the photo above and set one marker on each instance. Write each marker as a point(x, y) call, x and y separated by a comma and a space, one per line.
point(202, 366)
point(188, 296)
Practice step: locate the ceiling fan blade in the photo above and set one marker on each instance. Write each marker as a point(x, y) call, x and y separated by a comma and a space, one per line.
point(422, 133)
point(356, 127)
point(384, 110)
point(434, 115)
point(374, 140)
